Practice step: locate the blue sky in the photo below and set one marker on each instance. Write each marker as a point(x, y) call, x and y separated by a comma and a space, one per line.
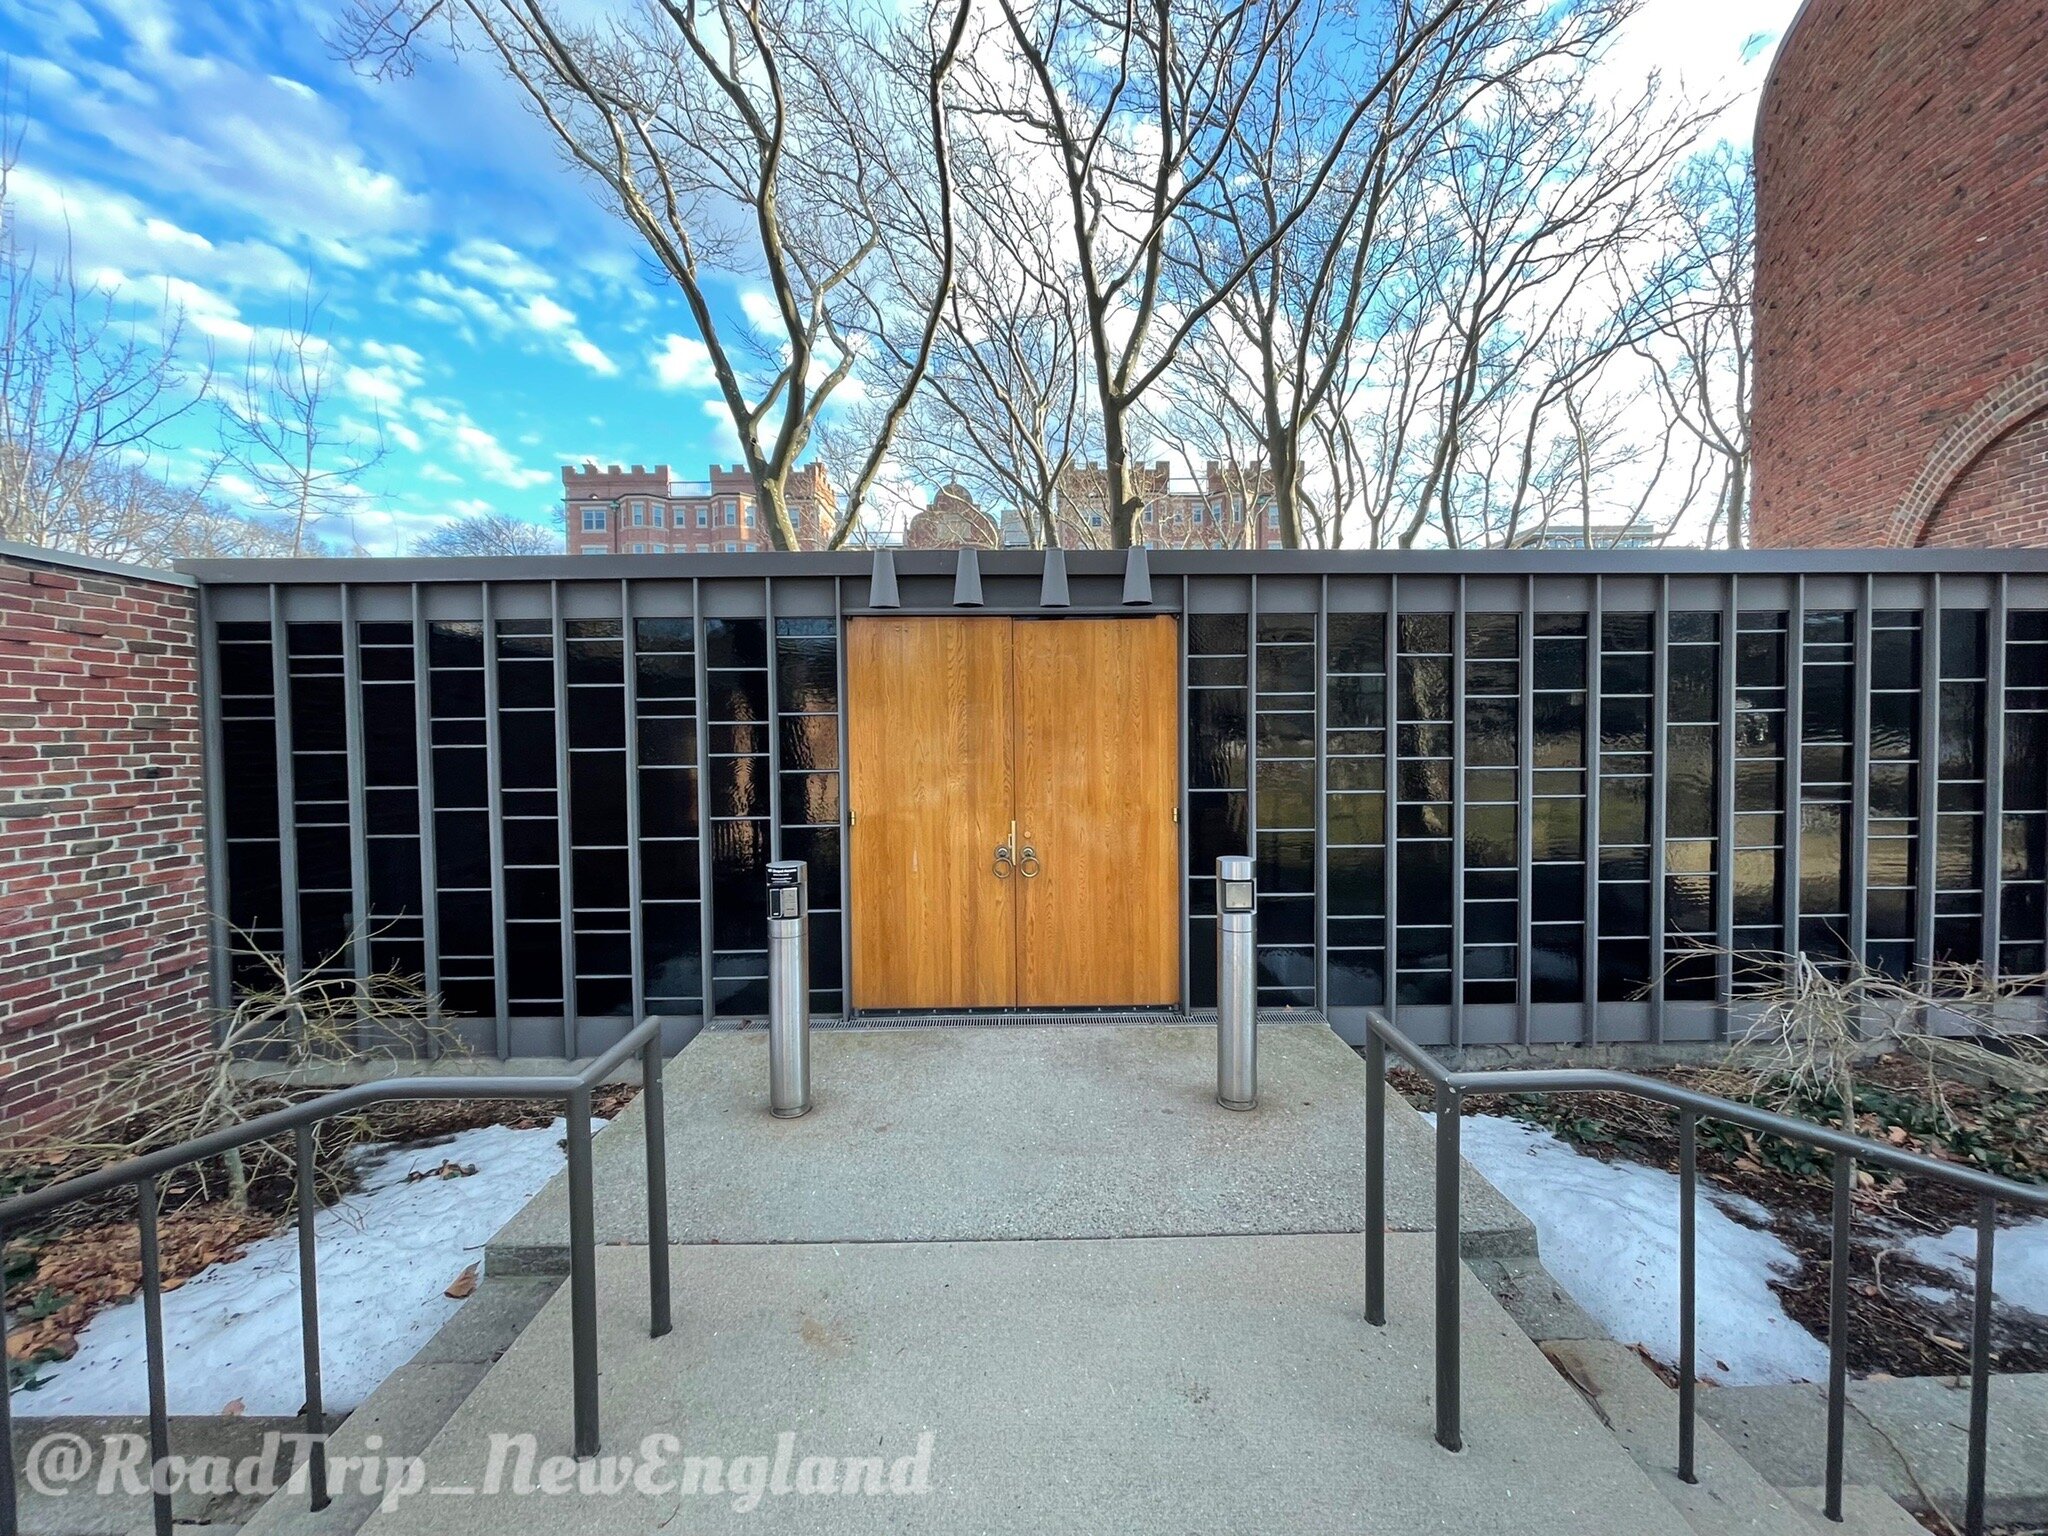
point(481, 306)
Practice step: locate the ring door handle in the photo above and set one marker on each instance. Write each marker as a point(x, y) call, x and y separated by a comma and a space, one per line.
point(1027, 864)
point(1002, 867)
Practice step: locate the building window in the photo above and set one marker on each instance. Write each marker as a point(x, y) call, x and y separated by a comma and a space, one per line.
point(639, 549)
point(731, 548)
point(732, 515)
point(593, 549)
point(702, 515)
point(658, 509)
point(593, 519)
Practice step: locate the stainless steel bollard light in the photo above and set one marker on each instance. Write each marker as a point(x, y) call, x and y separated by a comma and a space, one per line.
point(1237, 985)
point(789, 990)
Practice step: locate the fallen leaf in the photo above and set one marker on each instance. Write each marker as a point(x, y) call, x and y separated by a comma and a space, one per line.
point(233, 1410)
point(464, 1284)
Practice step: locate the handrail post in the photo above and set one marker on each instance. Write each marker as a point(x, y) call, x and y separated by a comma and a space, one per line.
point(582, 1274)
point(1375, 1177)
point(1449, 1319)
point(1688, 1275)
point(1980, 1367)
point(309, 1321)
point(153, 1336)
point(1838, 1334)
point(652, 1102)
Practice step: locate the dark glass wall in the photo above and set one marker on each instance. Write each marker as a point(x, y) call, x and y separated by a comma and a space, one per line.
point(807, 726)
point(247, 707)
point(1217, 794)
point(1285, 846)
point(738, 811)
point(1355, 808)
point(665, 731)
point(1529, 808)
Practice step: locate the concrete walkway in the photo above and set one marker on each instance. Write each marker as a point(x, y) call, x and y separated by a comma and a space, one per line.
point(1036, 1280)
point(961, 1135)
point(1151, 1385)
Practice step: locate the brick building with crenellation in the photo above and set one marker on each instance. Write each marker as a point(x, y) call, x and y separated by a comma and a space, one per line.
point(641, 511)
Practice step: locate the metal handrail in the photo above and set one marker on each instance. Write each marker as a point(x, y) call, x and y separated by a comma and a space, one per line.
point(1453, 1088)
point(142, 1174)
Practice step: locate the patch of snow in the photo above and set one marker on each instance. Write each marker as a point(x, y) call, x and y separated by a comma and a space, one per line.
point(386, 1253)
point(1608, 1233)
point(2019, 1260)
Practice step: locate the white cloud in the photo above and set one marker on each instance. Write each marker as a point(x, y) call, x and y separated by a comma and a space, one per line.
point(490, 458)
point(487, 261)
point(759, 308)
point(682, 362)
point(591, 356)
point(544, 314)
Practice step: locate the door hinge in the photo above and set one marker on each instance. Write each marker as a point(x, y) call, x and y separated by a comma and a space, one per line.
point(852, 816)
point(1176, 815)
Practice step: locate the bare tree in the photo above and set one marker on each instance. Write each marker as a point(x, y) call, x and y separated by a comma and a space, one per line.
point(1703, 352)
point(283, 432)
point(87, 395)
point(489, 533)
point(1005, 408)
point(737, 137)
point(1136, 109)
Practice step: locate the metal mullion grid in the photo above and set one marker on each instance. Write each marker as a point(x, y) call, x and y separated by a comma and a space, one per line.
point(358, 821)
point(1660, 759)
point(211, 772)
point(495, 795)
point(1525, 775)
point(769, 638)
point(1457, 698)
point(604, 918)
point(1929, 785)
point(629, 672)
point(1795, 764)
point(1249, 657)
point(1319, 798)
point(845, 800)
point(762, 755)
point(1183, 812)
point(1724, 784)
point(777, 716)
point(1251, 744)
point(564, 832)
point(423, 772)
point(287, 798)
point(1286, 704)
point(1390, 649)
point(707, 1002)
point(1857, 876)
point(1994, 776)
point(1589, 982)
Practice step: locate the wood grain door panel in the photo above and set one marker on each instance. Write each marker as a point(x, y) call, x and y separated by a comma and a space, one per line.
point(929, 741)
point(1097, 781)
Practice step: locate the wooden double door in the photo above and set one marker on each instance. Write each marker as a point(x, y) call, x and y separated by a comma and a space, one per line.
point(1013, 786)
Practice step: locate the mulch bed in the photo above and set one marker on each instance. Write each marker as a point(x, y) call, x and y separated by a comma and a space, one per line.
point(1893, 1330)
point(89, 1256)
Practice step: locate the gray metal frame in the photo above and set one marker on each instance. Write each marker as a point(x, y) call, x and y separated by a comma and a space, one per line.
point(1455, 584)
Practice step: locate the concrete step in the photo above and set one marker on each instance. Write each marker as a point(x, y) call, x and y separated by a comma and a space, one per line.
point(1135, 1386)
point(1730, 1499)
point(1866, 1511)
point(410, 1406)
point(976, 1134)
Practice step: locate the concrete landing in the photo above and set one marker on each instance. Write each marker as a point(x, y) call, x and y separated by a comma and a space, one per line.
point(1163, 1385)
point(956, 1135)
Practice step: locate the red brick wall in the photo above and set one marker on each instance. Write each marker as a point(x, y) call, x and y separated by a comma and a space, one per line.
point(1902, 273)
point(2002, 498)
point(102, 894)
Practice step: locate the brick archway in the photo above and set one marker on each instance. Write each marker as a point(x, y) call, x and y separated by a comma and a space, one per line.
point(2008, 407)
